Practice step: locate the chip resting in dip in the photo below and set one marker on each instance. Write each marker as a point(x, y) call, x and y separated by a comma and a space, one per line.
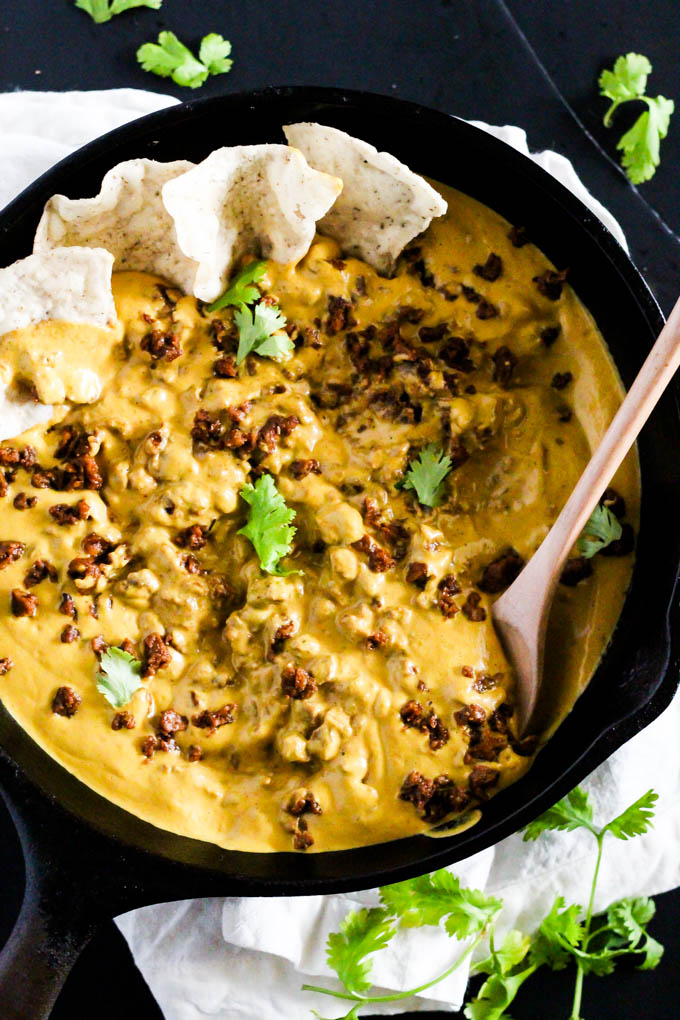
point(277, 429)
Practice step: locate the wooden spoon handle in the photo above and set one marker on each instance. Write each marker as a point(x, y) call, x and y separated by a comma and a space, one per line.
point(651, 381)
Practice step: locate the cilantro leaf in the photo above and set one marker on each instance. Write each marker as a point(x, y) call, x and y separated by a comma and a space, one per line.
point(258, 334)
point(628, 79)
point(268, 527)
point(504, 980)
point(433, 898)
point(642, 143)
point(560, 931)
point(640, 146)
point(426, 473)
point(121, 676)
point(170, 58)
point(103, 10)
point(601, 530)
point(362, 932)
point(636, 819)
point(241, 290)
point(572, 812)
point(214, 53)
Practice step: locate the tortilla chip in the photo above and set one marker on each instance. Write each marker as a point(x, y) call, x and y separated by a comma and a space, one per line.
point(66, 284)
point(127, 218)
point(383, 204)
point(259, 199)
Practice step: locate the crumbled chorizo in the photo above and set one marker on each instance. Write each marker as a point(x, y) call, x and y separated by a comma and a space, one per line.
point(340, 316)
point(470, 715)
point(302, 839)
point(302, 468)
point(377, 640)
point(98, 547)
point(156, 654)
point(123, 721)
point(84, 568)
point(504, 364)
point(65, 514)
point(23, 603)
point(194, 753)
point(66, 702)
point(417, 575)
point(69, 634)
point(67, 606)
point(161, 345)
point(484, 744)
point(448, 587)
point(621, 546)
point(226, 368)
point(212, 721)
point(482, 779)
point(433, 799)
point(207, 429)
point(297, 683)
point(22, 501)
point(99, 645)
point(491, 269)
point(282, 634)
point(40, 570)
point(192, 537)
point(413, 715)
point(518, 237)
point(550, 334)
point(276, 426)
point(550, 283)
point(5, 665)
point(561, 380)
point(302, 802)
point(10, 552)
point(379, 560)
point(575, 570)
point(472, 609)
point(501, 572)
point(456, 354)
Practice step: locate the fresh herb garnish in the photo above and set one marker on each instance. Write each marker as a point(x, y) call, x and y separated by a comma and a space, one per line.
point(258, 333)
point(241, 289)
point(170, 58)
point(121, 676)
point(426, 473)
point(640, 145)
point(601, 530)
point(269, 523)
point(561, 938)
point(103, 10)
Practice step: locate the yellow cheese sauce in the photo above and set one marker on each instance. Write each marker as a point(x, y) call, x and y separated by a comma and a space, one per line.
point(365, 697)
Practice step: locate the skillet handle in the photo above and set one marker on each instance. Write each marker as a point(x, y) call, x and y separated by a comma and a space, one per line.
point(48, 936)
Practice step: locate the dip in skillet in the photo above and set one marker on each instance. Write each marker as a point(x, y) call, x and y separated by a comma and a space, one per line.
point(246, 596)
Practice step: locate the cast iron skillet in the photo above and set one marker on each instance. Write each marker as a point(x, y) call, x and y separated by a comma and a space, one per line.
point(87, 860)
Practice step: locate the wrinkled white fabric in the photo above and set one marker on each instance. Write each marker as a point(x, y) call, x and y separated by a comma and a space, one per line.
point(246, 959)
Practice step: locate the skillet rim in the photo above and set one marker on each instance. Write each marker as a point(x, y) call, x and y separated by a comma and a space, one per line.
point(308, 877)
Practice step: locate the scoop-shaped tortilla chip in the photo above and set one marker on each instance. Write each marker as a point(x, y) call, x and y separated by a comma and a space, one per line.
point(127, 218)
point(259, 199)
point(67, 284)
point(383, 204)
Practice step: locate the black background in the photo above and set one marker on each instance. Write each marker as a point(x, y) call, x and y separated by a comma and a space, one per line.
point(474, 58)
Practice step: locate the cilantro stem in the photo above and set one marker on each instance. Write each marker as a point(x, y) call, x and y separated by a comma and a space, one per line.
point(578, 987)
point(397, 996)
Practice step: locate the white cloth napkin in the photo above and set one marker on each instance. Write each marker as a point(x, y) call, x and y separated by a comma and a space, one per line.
point(246, 959)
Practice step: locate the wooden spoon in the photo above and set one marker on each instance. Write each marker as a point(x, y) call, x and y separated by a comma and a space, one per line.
point(521, 613)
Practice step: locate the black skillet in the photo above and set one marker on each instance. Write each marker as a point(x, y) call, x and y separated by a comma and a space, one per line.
point(87, 860)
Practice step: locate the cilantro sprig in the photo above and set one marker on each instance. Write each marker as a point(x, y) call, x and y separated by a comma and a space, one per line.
point(469, 914)
point(170, 58)
point(241, 289)
point(120, 676)
point(103, 10)
point(269, 524)
point(640, 146)
point(600, 531)
point(261, 332)
point(425, 474)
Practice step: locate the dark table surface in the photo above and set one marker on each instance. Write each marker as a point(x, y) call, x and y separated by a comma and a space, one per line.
point(530, 63)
